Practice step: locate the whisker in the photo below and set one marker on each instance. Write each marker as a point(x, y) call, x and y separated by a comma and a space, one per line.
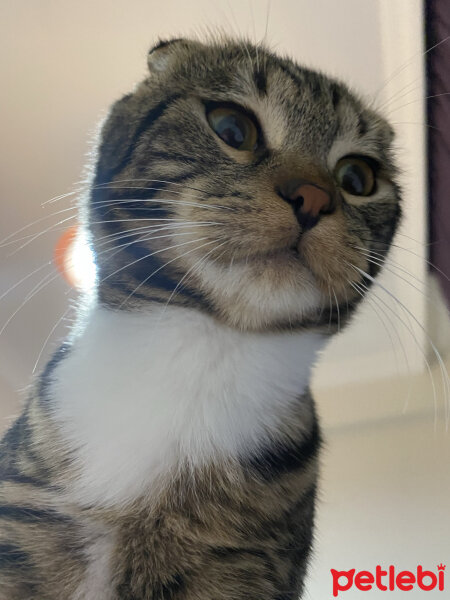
point(148, 256)
point(113, 185)
point(176, 220)
point(141, 239)
point(118, 234)
point(371, 300)
point(102, 222)
point(49, 336)
point(35, 236)
point(254, 34)
point(204, 196)
point(322, 308)
point(383, 260)
point(87, 187)
point(413, 239)
point(387, 264)
point(118, 248)
point(13, 287)
point(419, 100)
point(337, 308)
point(159, 201)
point(57, 228)
point(190, 272)
point(436, 268)
point(40, 284)
point(444, 374)
point(267, 22)
point(4, 241)
point(29, 236)
point(406, 64)
point(128, 232)
point(331, 304)
point(410, 330)
point(31, 295)
point(165, 265)
point(416, 123)
point(63, 196)
point(399, 94)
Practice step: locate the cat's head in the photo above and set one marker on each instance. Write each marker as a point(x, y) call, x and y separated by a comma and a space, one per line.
point(242, 184)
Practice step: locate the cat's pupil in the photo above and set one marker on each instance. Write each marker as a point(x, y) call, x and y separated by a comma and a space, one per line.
point(231, 131)
point(353, 180)
point(233, 127)
point(356, 175)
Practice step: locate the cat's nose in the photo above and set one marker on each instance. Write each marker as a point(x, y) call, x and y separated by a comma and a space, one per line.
point(308, 200)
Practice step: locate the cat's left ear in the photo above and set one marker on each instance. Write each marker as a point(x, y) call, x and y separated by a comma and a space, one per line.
point(160, 56)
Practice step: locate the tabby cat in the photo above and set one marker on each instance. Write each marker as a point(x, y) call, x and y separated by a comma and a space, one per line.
point(169, 450)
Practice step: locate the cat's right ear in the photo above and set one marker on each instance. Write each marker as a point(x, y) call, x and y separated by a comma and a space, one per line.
point(161, 55)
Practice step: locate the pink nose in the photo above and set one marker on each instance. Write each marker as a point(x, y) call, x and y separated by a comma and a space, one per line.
point(310, 200)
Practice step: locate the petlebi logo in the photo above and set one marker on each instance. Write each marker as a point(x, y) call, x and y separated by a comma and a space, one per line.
point(388, 580)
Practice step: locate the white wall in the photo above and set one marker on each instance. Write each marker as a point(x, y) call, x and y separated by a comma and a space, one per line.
point(385, 484)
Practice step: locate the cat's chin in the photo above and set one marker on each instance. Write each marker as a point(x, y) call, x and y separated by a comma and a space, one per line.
point(283, 289)
point(267, 292)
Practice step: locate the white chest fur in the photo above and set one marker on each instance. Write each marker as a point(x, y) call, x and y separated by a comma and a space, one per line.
point(139, 392)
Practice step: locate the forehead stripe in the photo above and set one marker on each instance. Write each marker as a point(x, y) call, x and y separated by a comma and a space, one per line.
point(260, 81)
point(363, 125)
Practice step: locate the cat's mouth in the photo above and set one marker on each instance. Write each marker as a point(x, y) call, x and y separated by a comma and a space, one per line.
point(326, 257)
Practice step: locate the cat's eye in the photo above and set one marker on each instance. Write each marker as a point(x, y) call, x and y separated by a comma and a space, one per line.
point(234, 127)
point(356, 175)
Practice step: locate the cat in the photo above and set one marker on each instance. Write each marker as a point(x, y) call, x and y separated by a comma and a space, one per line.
point(169, 449)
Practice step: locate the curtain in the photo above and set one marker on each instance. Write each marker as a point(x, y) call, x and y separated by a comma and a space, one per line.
point(438, 108)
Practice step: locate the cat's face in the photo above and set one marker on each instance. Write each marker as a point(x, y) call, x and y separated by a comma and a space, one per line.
point(242, 184)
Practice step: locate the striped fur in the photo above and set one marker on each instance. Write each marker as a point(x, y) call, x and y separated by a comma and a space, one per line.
point(169, 450)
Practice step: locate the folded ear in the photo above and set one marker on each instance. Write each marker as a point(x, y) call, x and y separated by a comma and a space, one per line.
point(118, 135)
point(161, 55)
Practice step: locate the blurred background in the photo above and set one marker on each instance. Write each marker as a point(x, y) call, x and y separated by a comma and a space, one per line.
point(380, 387)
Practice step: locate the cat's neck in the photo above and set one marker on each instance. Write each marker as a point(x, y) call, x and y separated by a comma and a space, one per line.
point(140, 391)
